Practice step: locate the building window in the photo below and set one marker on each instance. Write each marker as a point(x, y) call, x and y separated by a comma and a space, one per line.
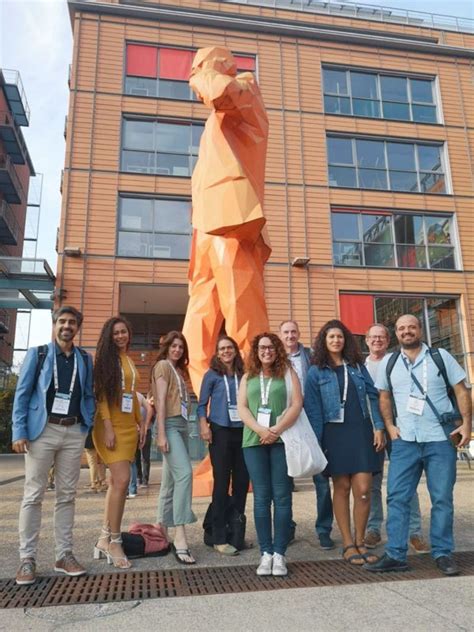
point(393, 240)
point(155, 228)
point(164, 72)
point(375, 95)
point(160, 147)
point(439, 317)
point(366, 163)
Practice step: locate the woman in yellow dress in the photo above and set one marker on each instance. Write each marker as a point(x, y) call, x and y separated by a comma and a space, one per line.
point(115, 431)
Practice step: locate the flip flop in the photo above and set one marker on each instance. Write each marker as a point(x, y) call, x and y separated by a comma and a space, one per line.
point(352, 558)
point(369, 557)
point(178, 552)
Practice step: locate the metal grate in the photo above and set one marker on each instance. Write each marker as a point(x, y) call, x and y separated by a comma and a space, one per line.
point(139, 585)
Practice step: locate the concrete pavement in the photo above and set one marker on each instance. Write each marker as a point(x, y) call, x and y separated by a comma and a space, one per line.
point(432, 605)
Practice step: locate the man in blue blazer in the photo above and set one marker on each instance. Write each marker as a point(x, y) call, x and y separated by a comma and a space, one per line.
point(52, 413)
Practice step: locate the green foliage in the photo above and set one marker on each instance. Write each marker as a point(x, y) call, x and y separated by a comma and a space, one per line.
point(7, 394)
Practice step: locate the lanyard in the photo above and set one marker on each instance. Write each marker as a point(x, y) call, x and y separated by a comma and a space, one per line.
point(123, 375)
point(74, 373)
point(409, 368)
point(227, 390)
point(264, 392)
point(346, 384)
point(182, 389)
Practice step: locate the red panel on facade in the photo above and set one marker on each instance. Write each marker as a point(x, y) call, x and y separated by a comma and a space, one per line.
point(175, 64)
point(357, 311)
point(142, 61)
point(245, 63)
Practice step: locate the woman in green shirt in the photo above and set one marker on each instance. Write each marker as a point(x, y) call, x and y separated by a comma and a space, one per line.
point(262, 405)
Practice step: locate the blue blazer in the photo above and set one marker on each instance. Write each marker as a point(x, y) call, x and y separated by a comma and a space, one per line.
point(29, 407)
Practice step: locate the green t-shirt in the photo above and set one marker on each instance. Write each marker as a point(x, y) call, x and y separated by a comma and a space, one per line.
point(276, 401)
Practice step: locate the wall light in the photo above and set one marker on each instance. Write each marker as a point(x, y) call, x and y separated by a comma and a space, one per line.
point(300, 262)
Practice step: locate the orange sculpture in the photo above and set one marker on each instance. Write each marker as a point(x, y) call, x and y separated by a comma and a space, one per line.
point(229, 248)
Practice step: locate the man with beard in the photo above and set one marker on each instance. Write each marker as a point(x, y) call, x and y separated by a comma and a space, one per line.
point(52, 414)
point(377, 340)
point(420, 441)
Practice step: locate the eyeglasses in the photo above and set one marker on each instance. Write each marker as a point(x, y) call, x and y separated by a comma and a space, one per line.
point(377, 337)
point(263, 348)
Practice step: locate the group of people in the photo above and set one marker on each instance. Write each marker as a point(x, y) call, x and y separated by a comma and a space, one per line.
point(400, 403)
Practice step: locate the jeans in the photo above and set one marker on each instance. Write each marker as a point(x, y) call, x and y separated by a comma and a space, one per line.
point(176, 491)
point(324, 516)
point(132, 486)
point(268, 472)
point(407, 462)
point(227, 463)
point(145, 459)
point(374, 524)
point(63, 446)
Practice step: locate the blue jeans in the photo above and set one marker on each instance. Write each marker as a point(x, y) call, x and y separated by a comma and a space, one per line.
point(374, 524)
point(324, 515)
point(132, 486)
point(407, 462)
point(268, 472)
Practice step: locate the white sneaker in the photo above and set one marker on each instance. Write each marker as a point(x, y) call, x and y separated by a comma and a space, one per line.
point(279, 565)
point(265, 566)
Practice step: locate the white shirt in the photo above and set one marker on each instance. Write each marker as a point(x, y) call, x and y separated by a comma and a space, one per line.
point(373, 367)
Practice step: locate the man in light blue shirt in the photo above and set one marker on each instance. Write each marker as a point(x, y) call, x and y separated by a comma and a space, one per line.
point(419, 443)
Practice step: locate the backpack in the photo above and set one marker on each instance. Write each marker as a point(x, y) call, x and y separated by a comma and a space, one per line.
point(437, 359)
point(42, 351)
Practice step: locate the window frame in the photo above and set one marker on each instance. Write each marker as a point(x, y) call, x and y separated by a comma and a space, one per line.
point(390, 139)
point(393, 213)
point(192, 96)
point(171, 198)
point(192, 157)
point(378, 73)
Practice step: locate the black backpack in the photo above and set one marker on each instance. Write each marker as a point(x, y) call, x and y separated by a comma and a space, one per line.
point(43, 352)
point(437, 359)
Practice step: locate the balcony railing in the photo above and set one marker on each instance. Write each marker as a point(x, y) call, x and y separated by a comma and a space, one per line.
point(13, 141)
point(15, 93)
point(9, 228)
point(10, 184)
point(378, 13)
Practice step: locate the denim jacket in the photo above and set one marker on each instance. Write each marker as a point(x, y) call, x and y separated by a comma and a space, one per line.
point(322, 399)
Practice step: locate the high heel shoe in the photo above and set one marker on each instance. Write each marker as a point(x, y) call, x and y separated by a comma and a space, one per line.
point(99, 552)
point(118, 562)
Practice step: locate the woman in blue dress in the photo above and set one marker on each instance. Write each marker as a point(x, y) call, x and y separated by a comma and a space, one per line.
point(341, 402)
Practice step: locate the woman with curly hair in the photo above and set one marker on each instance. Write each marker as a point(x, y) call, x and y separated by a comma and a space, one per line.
point(222, 428)
point(115, 430)
point(171, 397)
point(262, 405)
point(341, 402)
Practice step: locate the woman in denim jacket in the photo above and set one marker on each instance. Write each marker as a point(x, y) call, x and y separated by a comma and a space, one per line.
point(338, 393)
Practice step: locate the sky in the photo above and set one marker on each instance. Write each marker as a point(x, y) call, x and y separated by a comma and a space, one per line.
point(36, 39)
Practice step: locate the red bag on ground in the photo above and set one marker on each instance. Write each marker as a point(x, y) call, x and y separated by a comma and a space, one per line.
point(152, 536)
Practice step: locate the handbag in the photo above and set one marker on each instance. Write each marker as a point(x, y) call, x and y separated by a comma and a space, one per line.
point(304, 456)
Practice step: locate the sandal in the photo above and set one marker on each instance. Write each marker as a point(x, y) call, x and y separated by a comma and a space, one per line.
point(178, 552)
point(371, 558)
point(118, 562)
point(226, 549)
point(100, 552)
point(354, 560)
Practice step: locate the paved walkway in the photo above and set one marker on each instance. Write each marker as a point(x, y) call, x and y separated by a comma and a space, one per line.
point(419, 605)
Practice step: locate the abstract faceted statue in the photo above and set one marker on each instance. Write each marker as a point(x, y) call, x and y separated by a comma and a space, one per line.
point(228, 249)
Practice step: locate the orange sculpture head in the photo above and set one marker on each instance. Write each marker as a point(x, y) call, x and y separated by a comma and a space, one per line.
point(214, 58)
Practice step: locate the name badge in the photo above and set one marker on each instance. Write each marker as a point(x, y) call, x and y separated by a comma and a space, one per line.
point(234, 414)
point(340, 419)
point(415, 405)
point(61, 404)
point(127, 403)
point(263, 416)
point(184, 410)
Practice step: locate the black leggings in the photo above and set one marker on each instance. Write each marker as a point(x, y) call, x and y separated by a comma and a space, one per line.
point(227, 464)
